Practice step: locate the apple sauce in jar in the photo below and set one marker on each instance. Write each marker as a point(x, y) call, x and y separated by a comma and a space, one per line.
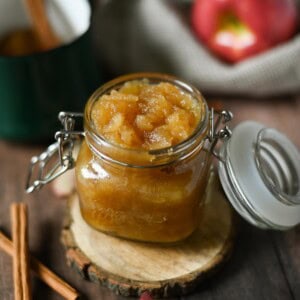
point(142, 170)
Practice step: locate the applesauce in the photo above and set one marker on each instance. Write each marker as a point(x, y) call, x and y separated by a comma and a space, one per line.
point(142, 170)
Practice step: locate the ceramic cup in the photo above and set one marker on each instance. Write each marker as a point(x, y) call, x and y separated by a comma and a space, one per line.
point(35, 87)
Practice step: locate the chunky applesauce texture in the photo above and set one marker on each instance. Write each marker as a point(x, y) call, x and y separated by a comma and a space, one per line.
point(146, 116)
point(159, 204)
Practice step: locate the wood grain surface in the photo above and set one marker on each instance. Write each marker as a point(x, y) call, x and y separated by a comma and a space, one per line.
point(264, 264)
point(130, 268)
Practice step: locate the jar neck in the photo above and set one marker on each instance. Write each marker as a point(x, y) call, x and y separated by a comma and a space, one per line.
point(140, 158)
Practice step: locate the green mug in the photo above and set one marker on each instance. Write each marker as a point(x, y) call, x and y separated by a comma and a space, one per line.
point(35, 87)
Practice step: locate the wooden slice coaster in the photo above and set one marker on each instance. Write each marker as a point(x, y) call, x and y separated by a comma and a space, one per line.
point(130, 268)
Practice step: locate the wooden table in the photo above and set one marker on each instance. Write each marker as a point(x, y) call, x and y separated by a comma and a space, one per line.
point(264, 264)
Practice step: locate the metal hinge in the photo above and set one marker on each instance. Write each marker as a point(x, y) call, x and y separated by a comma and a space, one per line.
point(58, 157)
point(218, 130)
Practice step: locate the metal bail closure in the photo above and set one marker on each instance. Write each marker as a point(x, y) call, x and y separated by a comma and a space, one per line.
point(260, 174)
point(218, 130)
point(58, 157)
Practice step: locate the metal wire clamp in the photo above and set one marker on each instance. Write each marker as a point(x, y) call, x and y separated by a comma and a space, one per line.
point(216, 131)
point(63, 148)
point(45, 171)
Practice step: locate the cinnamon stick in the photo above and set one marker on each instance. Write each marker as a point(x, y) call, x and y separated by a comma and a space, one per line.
point(20, 253)
point(46, 275)
point(16, 252)
point(41, 25)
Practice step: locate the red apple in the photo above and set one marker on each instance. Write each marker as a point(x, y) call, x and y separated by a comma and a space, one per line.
point(237, 29)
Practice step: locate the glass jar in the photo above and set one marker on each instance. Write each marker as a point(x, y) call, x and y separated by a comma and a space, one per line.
point(145, 195)
point(157, 195)
point(148, 195)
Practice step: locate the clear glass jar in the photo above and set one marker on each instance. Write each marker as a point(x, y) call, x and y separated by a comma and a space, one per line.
point(147, 195)
point(157, 195)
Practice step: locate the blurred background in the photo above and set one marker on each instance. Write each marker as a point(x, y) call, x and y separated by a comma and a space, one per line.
point(248, 48)
point(259, 55)
point(243, 55)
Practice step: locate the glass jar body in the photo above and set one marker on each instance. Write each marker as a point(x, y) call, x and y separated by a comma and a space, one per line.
point(147, 195)
point(160, 204)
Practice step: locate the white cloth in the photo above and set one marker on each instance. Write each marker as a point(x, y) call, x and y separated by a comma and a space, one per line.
point(150, 35)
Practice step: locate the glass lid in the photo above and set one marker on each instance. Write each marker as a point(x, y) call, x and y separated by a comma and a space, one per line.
point(260, 174)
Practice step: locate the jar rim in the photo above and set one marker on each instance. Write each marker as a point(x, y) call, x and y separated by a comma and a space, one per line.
point(154, 77)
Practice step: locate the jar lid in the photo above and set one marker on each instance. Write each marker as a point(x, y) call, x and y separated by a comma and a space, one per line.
point(260, 174)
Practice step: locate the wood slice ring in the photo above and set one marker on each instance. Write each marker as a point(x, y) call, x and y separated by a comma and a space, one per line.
point(129, 268)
